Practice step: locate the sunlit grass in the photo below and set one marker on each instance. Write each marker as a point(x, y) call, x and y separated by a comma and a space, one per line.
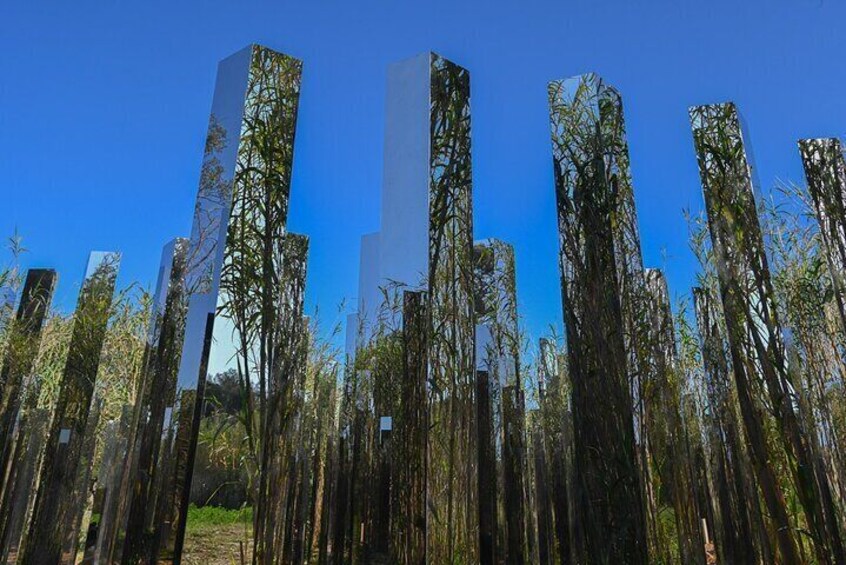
point(218, 516)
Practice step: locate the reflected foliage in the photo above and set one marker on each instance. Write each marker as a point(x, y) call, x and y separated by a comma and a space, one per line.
point(765, 384)
point(69, 439)
point(452, 519)
point(608, 484)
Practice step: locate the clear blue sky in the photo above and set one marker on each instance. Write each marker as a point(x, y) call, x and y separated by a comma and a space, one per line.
point(104, 106)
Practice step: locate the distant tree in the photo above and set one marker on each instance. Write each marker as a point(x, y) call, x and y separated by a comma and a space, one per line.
point(224, 394)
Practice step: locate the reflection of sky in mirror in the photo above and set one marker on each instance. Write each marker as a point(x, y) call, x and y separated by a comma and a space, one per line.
point(97, 259)
point(139, 110)
point(205, 251)
point(276, 77)
point(222, 354)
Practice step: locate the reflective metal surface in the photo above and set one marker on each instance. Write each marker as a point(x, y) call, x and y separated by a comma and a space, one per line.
point(754, 330)
point(584, 113)
point(67, 449)
point(244, 183)
point(452, 476)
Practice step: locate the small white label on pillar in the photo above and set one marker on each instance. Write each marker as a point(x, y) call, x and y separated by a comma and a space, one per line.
point(64, 436)
point(386, 423)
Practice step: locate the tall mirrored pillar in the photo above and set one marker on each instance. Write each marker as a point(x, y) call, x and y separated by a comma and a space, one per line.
point(825, 171)
point(20, 427)
point(556, 423)
point(743, 536)
point(408, 535)
point(21, 351)
point(607, 493)
point(156, 396)
point(754, 332)
point(232, 265)
point(668, 440)
point(501, 428)
point(426, 242)
point(56, 499)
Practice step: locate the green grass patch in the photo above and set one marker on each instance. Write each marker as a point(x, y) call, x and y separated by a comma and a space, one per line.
point(217, 516)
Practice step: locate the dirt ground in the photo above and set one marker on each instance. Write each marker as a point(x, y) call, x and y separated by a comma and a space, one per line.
point(217, 545)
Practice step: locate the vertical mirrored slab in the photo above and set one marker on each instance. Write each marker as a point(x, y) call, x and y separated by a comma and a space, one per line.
point(754, 332)
point(295, 476)
point(408, 533)
point(819, 327)
point(556, 421)
point(321, 444)
point(349, 452)
point(530, 522)
point(497, 361)
point(232, 271)
point(108, 499)
point(489, 426)
point(667, 437)
point(513, 462)
point(22, 345)
point(22, 479)
point(825, 171)
point(426, 242)
point(80, 503)
point(343, 500)
point(166, 507)
point(18, 429)
point(56, 499)
point(452, 525)
point(743, 534)
point(359, 423)
point(380, 353)
point(125, 529)
point(632, 295)
point(329, 498)
point(608, 495)
point(541, 481)
point(403, 246)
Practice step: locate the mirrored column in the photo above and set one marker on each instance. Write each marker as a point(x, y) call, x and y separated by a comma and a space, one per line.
point(541, 482)
point(21, 350)
point(754, 330)
point(426, 242)
point(667, 437)
point(110, 488)
point(608, 495)
point(743, 535)
point(19, 430)
point(132, 532)
point(501, 517)
point(825, 171)
point(556, 421)
point(452, 525)
point(232, 265)
point(55, 508)
point(410, 429)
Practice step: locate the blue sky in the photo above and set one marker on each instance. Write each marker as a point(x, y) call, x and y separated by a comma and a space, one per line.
point(104, 106)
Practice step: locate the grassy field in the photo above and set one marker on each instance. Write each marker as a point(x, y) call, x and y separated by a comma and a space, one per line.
point(216, 536)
